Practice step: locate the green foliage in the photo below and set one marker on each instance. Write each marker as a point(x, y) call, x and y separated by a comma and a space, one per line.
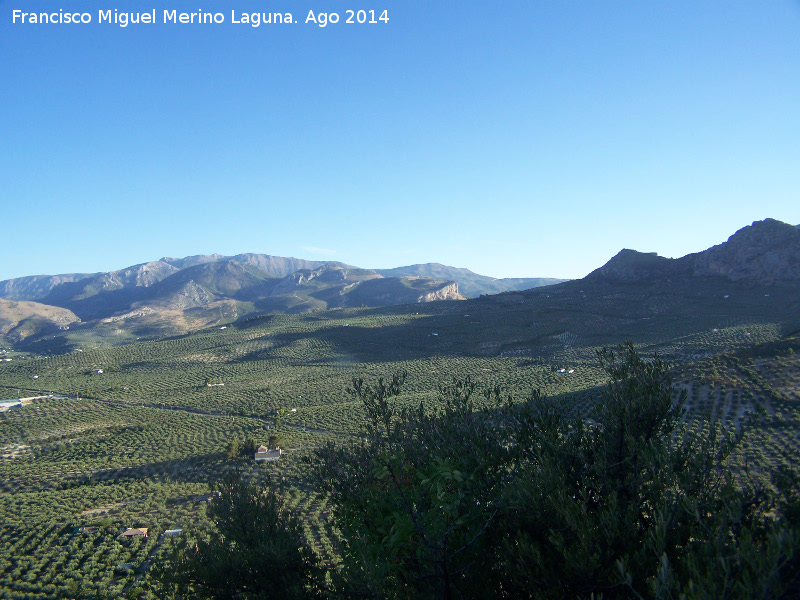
point(539, 501)
point(255, 551)
point(146, 447)
point(627, 504)
point(249, 447)
point(415, 499)
point(234, 449)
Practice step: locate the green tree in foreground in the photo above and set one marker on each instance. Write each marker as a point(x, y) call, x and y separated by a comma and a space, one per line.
point(415, 499)
point(257, 550)
point(627, 504)
point(532, 500)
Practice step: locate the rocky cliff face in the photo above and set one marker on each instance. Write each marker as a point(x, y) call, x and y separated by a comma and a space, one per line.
point(449, 291)
point(766, 252)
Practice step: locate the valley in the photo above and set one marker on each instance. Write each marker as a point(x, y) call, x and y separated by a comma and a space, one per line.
point(135, 433)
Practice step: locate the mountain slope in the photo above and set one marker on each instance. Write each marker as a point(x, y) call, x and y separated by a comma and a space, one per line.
point(20, 320)
point(470, 284)
point(765, 253)
point(36, 287)
point(99, 295)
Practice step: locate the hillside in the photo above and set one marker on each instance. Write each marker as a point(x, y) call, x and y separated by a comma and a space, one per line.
point(36, 287)
point(20, 320)
point(177, 296)
point(103, 294)
point(470, 284)
point(764, 253)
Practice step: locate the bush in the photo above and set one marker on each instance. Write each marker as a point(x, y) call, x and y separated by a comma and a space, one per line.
point(535, 500)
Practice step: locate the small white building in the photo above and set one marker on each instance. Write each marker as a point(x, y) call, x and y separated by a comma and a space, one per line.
point(263, 454)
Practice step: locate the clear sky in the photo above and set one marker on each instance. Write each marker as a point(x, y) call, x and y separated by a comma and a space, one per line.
point(514, 138)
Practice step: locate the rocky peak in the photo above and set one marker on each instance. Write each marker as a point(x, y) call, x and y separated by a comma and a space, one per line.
point(767, 252)
point(630, 265)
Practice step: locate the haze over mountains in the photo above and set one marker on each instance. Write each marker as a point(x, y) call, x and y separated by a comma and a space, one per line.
point(177, 295)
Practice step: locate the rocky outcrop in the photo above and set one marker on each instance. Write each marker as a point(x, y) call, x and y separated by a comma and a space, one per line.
point(191, 295)
point(766, 252)
point(449, 291)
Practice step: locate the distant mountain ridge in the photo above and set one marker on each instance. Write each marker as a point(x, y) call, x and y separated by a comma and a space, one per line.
point(172, 296)
point(53, 289)
point(35, 287)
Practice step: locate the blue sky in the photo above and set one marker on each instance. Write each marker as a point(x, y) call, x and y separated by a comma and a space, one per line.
point(514, 139)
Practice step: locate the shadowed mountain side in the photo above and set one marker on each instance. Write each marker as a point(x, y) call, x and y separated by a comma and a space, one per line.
point(546, 321)
point(36, 287)
point(631, 266)
point(333, 286)
point(101, 295)
point(202, 284)
point(470, 284)
point(768, 252)
point(327, 276)
point(390, 291)
point(764, 253)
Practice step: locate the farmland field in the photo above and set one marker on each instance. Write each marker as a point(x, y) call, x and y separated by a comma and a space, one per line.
point(134, 435)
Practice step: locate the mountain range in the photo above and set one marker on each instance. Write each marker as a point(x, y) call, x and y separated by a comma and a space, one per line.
point(174, 295)
point(177, 295)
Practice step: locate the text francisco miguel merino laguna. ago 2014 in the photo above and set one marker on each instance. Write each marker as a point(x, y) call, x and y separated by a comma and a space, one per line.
point(171, 16)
